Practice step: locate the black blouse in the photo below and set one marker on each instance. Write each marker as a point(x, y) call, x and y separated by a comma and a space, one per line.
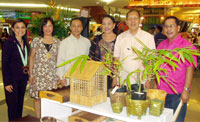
point(96, 48)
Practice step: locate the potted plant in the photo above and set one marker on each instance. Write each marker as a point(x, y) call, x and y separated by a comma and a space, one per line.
point(117, 94)
point(136, 98)
point(152, 61)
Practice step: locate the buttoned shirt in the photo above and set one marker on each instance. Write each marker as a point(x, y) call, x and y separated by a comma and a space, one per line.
point(70, 48)
point(123, 49)
point(176, 78)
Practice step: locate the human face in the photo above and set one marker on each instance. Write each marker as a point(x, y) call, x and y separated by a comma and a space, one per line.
point(48, 29)
point(19, 29)
point(171, 29)
point(76, 28)
point(133, 21)
point(107, 25)
point(157, 30)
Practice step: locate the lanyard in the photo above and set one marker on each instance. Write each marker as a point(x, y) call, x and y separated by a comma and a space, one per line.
point(24, 60)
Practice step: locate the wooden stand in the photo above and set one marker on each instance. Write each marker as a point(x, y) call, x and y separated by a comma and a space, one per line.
point(61, 94)
point(86, 117)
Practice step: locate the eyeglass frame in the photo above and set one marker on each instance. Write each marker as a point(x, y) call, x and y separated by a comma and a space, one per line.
point(170, 26)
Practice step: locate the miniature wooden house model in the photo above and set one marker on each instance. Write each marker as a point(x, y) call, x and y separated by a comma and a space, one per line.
point(88, 87)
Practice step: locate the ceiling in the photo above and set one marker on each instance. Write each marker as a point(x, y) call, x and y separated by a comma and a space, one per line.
point(185, 13)
point(73, 3)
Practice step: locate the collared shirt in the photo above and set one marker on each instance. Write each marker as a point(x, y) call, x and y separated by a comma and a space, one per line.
point(176, 78)
point(123, 49)
point(70, 48)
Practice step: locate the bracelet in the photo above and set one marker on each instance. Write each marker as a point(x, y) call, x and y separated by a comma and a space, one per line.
point(187, 89)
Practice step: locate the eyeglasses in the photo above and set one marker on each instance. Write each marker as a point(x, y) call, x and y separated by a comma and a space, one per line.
point(169, 26)
point(132, 18)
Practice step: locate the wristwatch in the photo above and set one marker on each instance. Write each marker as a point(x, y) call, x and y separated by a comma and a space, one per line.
point(187, 89)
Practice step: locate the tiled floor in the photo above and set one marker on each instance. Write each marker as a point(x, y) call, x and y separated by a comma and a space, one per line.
point(193, 113)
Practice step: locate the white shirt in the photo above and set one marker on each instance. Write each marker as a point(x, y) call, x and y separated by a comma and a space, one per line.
point(69, 48)
point(123, 49)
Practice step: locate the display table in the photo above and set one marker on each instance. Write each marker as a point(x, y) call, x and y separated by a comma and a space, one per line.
point(63, 110)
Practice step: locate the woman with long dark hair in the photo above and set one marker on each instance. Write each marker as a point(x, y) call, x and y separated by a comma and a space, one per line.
point(14, 68)
point(42, 63)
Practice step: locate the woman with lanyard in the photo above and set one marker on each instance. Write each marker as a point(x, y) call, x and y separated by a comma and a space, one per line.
point(14, 69)
point(42, 63)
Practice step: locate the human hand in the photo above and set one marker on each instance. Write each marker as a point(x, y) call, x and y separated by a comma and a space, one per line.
point(62, 82)
point(185, 96)
point(114, 82)
point(9, 88)
point(31, 80)
point(148, 85)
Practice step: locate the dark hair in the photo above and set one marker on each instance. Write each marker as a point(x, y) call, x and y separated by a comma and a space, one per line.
point(5, 29)
point(24, 37)
point(113, 20)
point(99, 29)
point(108, 16)
point(172, 17)
point(159, 28)
point(152, 28)
point(77, 18)
point(5, 32)
point(133, 10)
point(44, 22)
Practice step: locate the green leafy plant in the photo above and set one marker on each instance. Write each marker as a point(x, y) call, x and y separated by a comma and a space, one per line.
point(110, 67)
point(61, 19)
point(77, 60)
point(153, 60)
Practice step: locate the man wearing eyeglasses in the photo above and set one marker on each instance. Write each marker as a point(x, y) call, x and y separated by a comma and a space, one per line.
point(180, 78)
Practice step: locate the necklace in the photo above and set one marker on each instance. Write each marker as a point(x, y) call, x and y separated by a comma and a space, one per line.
point(24, 59)
point(48, 55)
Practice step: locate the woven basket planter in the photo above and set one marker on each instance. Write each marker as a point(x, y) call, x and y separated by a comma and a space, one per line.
point(156, 107)
point(156, 94)
point(118, 101)
point(136, 107)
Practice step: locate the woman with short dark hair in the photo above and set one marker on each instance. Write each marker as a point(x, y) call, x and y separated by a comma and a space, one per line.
point(42, 63)
point(14, 69)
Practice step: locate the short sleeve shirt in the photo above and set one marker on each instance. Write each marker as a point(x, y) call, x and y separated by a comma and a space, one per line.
point(123, 50)
point(177, 77)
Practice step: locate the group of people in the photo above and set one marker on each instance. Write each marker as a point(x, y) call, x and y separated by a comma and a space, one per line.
point(46, 52)
point(36, 64)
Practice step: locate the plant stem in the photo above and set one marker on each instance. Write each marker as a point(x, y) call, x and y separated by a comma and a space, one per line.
point(140, 78)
